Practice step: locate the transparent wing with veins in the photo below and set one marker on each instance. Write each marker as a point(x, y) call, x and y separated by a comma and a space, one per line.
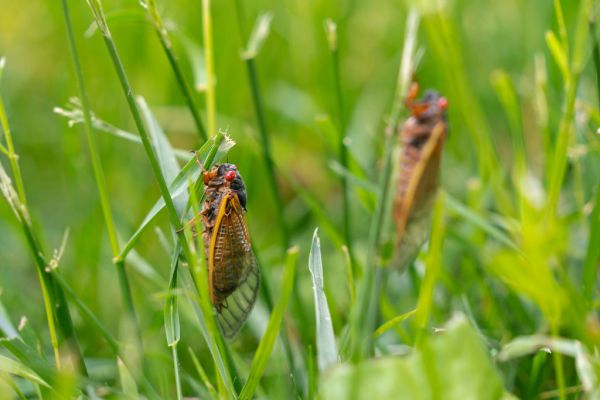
point(234, 276)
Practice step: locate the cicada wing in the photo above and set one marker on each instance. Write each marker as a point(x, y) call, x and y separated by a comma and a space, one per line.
point(421, 182)
point(234, 272)
point(413, 211)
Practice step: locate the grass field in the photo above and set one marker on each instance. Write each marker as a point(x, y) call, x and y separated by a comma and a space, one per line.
point(103, 286)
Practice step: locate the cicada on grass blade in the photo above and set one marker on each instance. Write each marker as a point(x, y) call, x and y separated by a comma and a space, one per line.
point(422, 136)
point(233, 274)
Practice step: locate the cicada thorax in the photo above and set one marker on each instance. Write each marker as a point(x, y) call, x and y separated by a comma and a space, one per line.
point(233, 272)
point(422, 137)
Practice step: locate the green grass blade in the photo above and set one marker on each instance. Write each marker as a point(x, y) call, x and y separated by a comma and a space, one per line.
point(267, 342)
point(326, 347)
point(211, 79)
point(258, 36)
point(394, 321)
point(163, 150)
point(481, 222)
point(171, 309)
point(127, 382)
point(202, 374)
point(592, 256)
point(10, 366)
point(433, 265)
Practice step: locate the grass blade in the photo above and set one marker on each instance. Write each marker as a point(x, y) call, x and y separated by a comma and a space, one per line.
point(127, 382)
point(433, 266)
point(326, 348)
point(10, 366)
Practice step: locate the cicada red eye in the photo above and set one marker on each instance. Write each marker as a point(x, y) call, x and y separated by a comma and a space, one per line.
point(443, 103)
point(230, 175)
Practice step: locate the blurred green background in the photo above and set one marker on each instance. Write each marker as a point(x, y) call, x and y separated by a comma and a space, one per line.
point(296, 80)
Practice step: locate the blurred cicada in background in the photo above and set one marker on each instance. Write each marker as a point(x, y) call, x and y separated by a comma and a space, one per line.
point(422, 138)
point(233, 273)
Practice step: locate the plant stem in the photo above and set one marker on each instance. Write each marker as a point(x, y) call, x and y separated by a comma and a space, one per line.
point(332, 37)
point(211, 106)
point(101, 182)
point(559, 368)
point(167, 45)
point(266, 147)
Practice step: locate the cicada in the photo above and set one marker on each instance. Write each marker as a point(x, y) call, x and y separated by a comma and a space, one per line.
point(233, 273)
point(422, 137)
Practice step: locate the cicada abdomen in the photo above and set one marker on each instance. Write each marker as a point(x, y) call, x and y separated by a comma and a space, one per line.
point(422, 137)
point(233, 273)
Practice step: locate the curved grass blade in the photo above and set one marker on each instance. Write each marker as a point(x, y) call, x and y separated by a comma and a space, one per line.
point(164, 152)
point(326, 347)
point(268, 341)
point(10, 366)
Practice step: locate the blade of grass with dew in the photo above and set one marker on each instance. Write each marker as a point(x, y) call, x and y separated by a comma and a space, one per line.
point(167, 45)
point(267, 342)
point(171, 316)
point(326, 347)
point(433, 265)
point(124, 285)
point(363, 318)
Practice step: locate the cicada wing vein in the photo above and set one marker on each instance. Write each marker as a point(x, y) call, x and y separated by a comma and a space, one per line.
point(234, 276)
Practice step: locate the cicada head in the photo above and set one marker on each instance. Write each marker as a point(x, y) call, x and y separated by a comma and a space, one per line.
point(425, 114)
point(227, 175)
